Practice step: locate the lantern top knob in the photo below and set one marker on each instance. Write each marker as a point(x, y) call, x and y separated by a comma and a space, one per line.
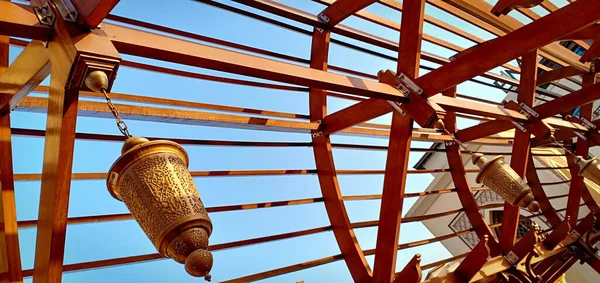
point(132, 142)
point(96, 81)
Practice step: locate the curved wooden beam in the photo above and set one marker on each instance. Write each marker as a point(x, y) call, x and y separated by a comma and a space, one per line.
point(459, 177)
point(540, 195)
point(330, 188)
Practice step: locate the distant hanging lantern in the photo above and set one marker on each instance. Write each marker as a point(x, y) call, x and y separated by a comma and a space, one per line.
point(500, 178)
point(589, 168)
point(153, 180)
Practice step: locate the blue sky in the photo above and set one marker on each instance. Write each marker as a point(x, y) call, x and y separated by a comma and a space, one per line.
point(89, 242)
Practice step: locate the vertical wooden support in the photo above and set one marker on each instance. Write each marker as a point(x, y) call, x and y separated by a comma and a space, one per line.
point(582, 149)
point(10, 257)
point(520, 151)
point(390, 216)
point(330, 188)
point(463, 188)
point(56, 178)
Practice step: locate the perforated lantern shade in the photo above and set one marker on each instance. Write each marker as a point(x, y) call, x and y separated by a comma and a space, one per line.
point(502, 179)
point(152, 179)
point(589, 169)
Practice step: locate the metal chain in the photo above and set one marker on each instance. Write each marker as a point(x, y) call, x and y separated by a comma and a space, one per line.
point(120, 123)
point(564, 148)
point(457, 141)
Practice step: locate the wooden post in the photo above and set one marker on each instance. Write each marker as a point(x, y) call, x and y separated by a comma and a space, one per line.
point(520, 150)
point(10, 257)
point(390, 216)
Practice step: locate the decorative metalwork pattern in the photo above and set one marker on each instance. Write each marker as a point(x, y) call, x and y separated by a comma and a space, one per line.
point(499, 176)
point(153, 181)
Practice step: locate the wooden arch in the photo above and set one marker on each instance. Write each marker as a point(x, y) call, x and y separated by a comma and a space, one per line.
point(65, 49)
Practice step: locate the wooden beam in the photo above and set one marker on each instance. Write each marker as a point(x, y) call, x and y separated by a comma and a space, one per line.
point(584, 96)
point(411, 273)
point(471, 265)
point(582, 149)
point(10, 256)
point(394, 184)
point(67, 52)
point(93, 12)
point(342, 9)
point(170, 115)
point(336, 211)
point(540, 195)
point(503, 7)
point(470, 64)
point(521, 149)
point(557, 74)
point(20, 21)
point(160, 47)
point(28, 70)
point(459, 178)
point(56, 177)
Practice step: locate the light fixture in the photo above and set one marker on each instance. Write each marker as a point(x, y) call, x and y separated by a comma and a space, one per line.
point(587, 168)
point(153, 180)
point(500, 178)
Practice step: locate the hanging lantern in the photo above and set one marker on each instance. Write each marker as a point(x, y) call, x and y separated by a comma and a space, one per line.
point(153, 180)
point(502, 179)
point(589, 168)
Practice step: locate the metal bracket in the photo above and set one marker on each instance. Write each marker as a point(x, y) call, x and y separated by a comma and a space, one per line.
point(67, 10)
point(449, 143)
point(575, 234)
point(323, 19)
point(580, 135)
point(519, 126)
point(528, 111)
point(587, 123)
point(512, 258)
point(397, 107)
point(45, 15)
point(408, 83)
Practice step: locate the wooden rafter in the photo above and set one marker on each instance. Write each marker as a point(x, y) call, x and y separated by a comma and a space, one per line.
point(342, 9)
point(470, 64)
point(28, 70)
point(320, 84)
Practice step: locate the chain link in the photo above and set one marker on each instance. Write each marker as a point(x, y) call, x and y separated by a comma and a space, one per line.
point(120, 123)
point(457, 141)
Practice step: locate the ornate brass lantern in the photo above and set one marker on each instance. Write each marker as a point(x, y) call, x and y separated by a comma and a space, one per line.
point(589, 168)
point(499, 176)
point(153, 180)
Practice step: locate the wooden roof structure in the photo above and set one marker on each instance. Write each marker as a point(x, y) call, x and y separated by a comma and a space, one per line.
point(67, 50)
